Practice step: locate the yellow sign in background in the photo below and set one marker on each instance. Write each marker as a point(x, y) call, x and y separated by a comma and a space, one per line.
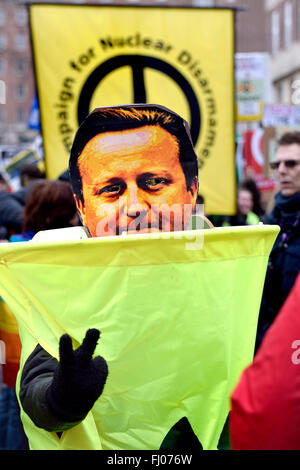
point(182, 58)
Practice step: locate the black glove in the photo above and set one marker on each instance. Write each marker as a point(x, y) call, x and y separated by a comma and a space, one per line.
point(78, 379)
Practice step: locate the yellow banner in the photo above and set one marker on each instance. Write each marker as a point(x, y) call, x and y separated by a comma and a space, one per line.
point(182, 58)
point(178, 318)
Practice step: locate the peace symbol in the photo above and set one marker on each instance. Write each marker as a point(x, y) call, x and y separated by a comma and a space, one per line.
point(138, 63)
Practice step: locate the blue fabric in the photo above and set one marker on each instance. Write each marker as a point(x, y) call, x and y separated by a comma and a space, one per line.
point(285, 210)
point(12, 436)
point(285, 255)
point(25, 237)
point(286, 204)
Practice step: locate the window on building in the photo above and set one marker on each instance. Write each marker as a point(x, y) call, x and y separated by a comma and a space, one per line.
point(2, 17)
point(20, 115)
point(21, 66)
point(21, 42)
point(20, 91)
point(288, 24)
point(2, 65)
point(2, 116)
point(2, 41)
point(298, 19)
point(275, 31)
point(21, 16)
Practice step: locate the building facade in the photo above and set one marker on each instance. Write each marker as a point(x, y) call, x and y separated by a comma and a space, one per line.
point(250, 24)
point(283, 42)
point(17, 84)
point(16, 75)
point(16, 68)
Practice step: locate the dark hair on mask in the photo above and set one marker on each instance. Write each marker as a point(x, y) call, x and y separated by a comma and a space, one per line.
point(133, 116)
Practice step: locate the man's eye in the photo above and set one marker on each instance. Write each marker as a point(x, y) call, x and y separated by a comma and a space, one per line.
point(113, 188)
point(155, 181)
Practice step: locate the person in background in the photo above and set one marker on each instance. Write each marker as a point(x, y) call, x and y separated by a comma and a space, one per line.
point(30, 174)
point(250, 185)
point(245, 205)
point(50, 205)
point(11, 211)
point(284, 260)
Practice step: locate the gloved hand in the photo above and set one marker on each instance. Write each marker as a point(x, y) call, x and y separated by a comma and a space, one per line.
point(78, 379)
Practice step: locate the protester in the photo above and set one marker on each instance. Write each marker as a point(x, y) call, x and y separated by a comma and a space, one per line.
point(4, 185)
point(30, 174)
point(265, 412)
point(143, 154)
point(11, 211)
point(245, 205)
point(50, 205)
point(251, 186)
point(284, 261)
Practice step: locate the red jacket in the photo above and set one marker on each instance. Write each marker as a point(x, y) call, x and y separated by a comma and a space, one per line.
point(266, 403)
point(10, 345)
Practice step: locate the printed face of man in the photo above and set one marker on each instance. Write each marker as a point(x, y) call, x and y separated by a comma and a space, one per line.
point(288, 178)
point(133, 182)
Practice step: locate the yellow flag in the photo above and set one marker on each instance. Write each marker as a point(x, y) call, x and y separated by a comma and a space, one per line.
point(182, 58)
point(178, 317)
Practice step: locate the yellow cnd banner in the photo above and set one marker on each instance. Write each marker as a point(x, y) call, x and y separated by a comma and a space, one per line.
point(178, 318)
point(182, 58)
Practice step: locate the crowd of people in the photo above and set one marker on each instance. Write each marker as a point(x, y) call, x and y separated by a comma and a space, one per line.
point(265, 406)
point(39, 204)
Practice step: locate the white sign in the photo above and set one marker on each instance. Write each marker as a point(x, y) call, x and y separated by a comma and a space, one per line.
point(253, 84)
point(281, 115)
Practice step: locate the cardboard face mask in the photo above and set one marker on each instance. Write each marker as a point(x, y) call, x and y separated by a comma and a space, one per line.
point(133, 169)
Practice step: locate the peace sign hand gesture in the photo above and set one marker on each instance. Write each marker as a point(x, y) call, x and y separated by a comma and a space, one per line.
point(78, 380)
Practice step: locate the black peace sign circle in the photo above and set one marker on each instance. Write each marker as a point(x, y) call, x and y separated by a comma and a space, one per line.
point(138, 63)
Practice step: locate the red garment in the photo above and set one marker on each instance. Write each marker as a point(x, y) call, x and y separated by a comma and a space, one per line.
point(266, 403)
point(10, 345)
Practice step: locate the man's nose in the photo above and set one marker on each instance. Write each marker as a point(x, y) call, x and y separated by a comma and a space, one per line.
point(136, 205)
point(282, 167)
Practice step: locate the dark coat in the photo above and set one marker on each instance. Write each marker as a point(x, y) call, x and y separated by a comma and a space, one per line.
point(11, 213)
point(284, 261)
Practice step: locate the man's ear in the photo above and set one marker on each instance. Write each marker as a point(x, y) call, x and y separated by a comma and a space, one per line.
point(80, 208)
